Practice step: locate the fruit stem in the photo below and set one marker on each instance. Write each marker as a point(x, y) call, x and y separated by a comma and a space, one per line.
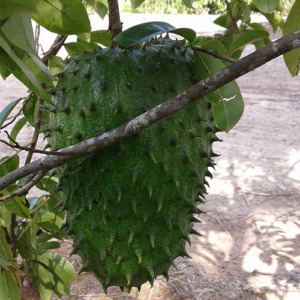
point(115, 24)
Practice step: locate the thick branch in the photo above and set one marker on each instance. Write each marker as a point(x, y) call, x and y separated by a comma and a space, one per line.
point(171, 106)
point(115, 25)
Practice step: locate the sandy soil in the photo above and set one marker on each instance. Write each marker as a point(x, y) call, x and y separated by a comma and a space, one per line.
point(251, 232)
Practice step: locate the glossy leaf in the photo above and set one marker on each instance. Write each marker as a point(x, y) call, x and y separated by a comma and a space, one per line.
point(100, 7)
point(142, 32)
point(62, 16)
point(266, 6)
point(7, 110)
point(292, 58)
point(250, 36)
point(8, 286)
point(18, 30)
point(10, 7)
point(16, 129)
point(18, 206)
point(222, 20)
point(227, 101)
point(23, 73)
point(136, 3)
point(186, 33)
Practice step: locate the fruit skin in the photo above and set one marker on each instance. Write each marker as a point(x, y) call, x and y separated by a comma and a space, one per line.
point(130, 207)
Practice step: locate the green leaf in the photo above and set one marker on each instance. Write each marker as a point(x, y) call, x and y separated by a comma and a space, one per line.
point(30, 107)
point(48, 261)
point(6, 248)
point(4, 263)
point(246, 12)
point(18, 30)
point(18, 206)
point(56, 64)
point(292, 58)
point(62, 16)
point(102, 37)
point(24, 74)
point(100, 6)
point(222, 21)
point(142, 32)
point(16, 129)
point(76, 48)
point(136, 3)
point(266, 6)
point(250, 36)
point(41, 279)
point(64, 263)
point(275, 20)
point(4, 216)
point(227, 101)
point(10, 7)
point(8, 286)
point(7, 110)
point(258, 26)
point(9, 165)
point(186, 33)
point(47, 246)
point(50, 221)
point(188, 3)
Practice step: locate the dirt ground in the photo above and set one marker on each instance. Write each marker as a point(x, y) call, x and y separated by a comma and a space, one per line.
point(251, 232)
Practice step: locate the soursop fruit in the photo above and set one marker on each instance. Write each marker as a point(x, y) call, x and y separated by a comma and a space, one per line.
point(130, 207)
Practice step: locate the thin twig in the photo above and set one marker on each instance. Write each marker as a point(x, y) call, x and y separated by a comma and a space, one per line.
point(18, 146)
point(234, 24)
point(37, 127)
point(26, 187)
point(214, 53)
point(220, 223)
point(271, 195)
point(9, 157)
point(246, 199)
point(59, 41)
point(38, 207)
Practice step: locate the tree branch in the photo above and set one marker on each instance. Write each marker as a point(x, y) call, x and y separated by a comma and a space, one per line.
point(57, 44)
point(115, 24)
point(26, 187)
point(171, 106)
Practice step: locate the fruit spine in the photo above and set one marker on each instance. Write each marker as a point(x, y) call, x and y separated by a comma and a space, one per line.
point(130, 207)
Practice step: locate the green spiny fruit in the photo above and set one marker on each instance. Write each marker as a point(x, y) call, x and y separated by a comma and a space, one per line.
point(130, 207)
